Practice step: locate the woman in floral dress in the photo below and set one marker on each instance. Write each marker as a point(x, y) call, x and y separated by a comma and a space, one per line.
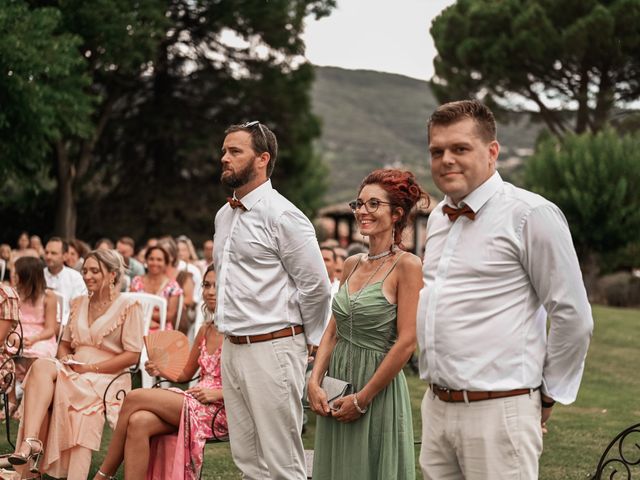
point(145, 437)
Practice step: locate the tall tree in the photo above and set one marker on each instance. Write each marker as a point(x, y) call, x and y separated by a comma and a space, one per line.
point(218, 64)
point(545, 56)
point(165, 77)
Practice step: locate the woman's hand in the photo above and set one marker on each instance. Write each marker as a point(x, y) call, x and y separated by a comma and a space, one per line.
point(151, 368)
point(344, 410)
point(205, 395)
point(82, 368)
point(29, 341)
point(318, 399)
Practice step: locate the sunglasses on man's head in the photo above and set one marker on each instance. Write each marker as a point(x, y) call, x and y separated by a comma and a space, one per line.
point(253, 124)
point(370, 205)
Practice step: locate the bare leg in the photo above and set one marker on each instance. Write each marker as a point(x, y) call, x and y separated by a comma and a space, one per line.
point(164, 404)
point(38, 394)
point(143, 425)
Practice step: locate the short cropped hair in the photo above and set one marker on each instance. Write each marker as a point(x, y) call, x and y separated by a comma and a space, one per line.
point(453, 112)
point(65, 245)
point(262, 140)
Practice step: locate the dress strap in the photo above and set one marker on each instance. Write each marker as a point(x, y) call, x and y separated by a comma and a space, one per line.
point(392, 266)
point(354, 268)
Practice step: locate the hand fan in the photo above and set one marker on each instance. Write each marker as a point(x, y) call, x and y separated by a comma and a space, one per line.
point(169, 351)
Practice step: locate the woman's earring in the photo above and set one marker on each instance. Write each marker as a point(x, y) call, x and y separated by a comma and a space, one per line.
point(112, 290)
point(393, 234)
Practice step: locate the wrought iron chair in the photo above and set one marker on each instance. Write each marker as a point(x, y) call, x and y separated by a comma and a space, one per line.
point(620, 457)
point(13, 348)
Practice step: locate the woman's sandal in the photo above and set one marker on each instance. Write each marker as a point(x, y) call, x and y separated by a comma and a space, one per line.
point(33, 456)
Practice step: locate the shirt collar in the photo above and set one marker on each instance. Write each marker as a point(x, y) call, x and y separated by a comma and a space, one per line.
point(255, 195)
point(480, 195)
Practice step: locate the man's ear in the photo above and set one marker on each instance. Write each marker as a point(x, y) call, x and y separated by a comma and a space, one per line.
point(263, 159)
point(494, 151)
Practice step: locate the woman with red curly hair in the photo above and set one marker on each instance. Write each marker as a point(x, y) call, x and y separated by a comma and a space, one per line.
point(368, 433)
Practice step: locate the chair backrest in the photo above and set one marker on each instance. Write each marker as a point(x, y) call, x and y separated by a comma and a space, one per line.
point(3, 267)
point(180, 307)
point(60, 318)
point(149, 301)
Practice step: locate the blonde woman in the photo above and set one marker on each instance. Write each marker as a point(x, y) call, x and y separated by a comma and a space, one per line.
point(62, 408)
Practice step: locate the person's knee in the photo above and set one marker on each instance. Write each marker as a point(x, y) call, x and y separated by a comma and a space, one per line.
point(42, 368)
point(139, 424)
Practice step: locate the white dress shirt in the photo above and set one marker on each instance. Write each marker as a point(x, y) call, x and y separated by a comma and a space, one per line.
point(69, 283)
point(270, 272)
point(481, 325)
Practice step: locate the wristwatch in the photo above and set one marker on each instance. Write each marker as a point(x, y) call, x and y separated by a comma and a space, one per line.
point(547, 404)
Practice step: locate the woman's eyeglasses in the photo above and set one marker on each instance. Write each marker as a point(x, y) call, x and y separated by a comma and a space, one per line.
point(370, 205)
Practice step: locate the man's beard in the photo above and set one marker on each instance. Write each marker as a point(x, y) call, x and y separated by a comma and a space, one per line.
point(238, 179)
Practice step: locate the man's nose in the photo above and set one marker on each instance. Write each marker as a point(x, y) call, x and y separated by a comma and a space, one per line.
point(448, 157)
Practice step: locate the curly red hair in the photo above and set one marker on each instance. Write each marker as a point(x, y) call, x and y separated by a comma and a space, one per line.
point(403, 190)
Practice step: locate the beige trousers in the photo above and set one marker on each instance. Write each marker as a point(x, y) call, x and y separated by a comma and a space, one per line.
point(491, 439)
point(262, 385)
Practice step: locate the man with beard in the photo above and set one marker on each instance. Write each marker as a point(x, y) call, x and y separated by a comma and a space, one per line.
point(273, 298)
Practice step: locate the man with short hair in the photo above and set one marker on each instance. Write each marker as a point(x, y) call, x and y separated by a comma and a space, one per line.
point(495, 256)
point(273, 298)
point(126, 247)
point(61, 278)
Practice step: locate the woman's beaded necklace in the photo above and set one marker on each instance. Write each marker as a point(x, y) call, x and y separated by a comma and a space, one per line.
point(386, 253)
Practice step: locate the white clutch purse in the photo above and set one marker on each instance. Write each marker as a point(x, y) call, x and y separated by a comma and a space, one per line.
point(335, 389)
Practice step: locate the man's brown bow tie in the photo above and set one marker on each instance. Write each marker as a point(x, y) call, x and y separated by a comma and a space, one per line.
point(454, 213)
point(235, 203)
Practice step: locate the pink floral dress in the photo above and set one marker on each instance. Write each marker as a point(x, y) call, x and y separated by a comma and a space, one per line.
point(180, 456)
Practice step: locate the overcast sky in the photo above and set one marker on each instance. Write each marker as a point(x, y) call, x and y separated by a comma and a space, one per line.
point(384, 35)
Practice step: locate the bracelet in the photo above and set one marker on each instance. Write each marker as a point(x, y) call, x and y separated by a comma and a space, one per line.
point(95, 367)
point(362, 411)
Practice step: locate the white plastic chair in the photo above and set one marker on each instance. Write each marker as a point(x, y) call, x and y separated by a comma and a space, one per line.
point(179, 314)
point(60, 318)
point(149, 302)
point(3, 267)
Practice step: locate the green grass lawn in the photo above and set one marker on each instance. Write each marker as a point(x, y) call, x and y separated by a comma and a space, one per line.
point(609, 401)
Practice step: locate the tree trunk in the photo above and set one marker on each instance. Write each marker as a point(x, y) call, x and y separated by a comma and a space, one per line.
point(66, 211)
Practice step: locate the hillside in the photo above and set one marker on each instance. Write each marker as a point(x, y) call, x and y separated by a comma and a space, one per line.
point(374, 119)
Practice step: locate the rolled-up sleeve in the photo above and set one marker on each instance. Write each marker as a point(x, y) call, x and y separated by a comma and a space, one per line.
point(552, 264)
point(301, 258)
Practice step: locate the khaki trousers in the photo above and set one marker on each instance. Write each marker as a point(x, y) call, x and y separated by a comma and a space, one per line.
point(492, 439)
point(262, 386)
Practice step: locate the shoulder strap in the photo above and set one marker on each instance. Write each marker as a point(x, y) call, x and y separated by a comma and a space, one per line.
point(393, 266)
point(356, 266)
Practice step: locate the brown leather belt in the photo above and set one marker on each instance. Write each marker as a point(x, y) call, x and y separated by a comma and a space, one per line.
point(249, 339)
point(447, 395)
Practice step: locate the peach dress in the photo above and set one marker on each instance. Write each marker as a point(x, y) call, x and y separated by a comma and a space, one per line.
point(76, 418)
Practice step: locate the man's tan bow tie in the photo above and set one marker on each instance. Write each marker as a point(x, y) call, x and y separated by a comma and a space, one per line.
point(235, 203)
point(454, 213)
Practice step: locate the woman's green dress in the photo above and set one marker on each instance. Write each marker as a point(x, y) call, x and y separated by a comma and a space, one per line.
point(379, 445)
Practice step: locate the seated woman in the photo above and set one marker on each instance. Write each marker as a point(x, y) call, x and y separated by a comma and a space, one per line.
point(161, 413)
point(62, 408)
point(38, 317)
point(157, 282)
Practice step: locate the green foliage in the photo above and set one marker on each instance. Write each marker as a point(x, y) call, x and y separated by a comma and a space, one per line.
point(166, 82)
point(595, 180)
point(541, 55)
point(42, 86)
